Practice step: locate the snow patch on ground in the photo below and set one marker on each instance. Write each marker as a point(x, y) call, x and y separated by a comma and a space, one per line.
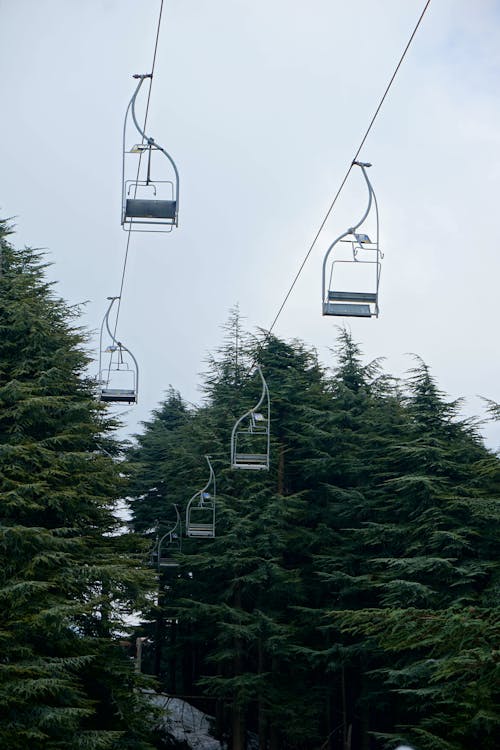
point(185, 722)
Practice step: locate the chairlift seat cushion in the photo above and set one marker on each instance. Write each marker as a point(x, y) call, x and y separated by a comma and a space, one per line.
point(346, 310)
point(118, 395)
point(352, 296)
point(142, 208)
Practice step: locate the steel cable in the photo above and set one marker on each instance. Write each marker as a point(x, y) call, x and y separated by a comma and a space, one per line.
point(139, 165)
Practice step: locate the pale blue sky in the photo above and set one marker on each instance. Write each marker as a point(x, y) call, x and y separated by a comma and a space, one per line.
point(263, 104)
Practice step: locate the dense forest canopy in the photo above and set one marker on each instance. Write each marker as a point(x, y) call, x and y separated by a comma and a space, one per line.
point(350, 597)
point(348, 601)
point(68, 578)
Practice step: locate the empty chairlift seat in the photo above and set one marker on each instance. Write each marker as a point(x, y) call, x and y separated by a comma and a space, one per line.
point(118, 369)
point(150, 179)
point(163, 555)
point(250, 438)
point(200, 510)
point(352, 286)
point(202, 518)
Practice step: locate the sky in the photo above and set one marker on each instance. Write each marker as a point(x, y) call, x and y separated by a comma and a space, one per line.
point(263, 104)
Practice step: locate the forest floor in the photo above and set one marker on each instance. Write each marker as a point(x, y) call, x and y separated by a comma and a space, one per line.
point(189, 726)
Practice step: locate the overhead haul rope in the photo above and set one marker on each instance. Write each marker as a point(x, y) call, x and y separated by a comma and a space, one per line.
point(311, 247)
point(139, 165)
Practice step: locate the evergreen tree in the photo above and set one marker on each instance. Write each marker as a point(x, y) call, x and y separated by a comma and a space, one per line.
point(300, 621)
point(431, 565)
point(362, 418)
point(233, 612)
point(156, 465)
point(67, 577)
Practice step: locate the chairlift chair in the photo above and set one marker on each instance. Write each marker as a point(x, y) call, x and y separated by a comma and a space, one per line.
point(148, 205)
point(353, 285)
point(162, 555)
point(250, 438)
point(118, 380)
point(200, 511)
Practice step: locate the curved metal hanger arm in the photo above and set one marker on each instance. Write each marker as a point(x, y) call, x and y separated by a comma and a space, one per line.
point(265, 390)
point(150, 141)
point(211, 479)
point(351, 230)
point(131, 106)
point(174, 527)
point(247, 414)
point(363, 166)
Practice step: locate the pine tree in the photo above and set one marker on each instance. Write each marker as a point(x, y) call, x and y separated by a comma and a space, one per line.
point(234, 611)
point(432, 571)
point(361, 418)
point(155, 465)
point(300, 621)
point(67, 577)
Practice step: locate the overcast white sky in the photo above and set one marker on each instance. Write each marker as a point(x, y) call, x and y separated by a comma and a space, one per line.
point(262, 104)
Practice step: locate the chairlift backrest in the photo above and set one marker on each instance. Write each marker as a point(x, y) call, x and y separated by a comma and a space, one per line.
point(118, 379)
point(150, 198)
point(250, 438)
point(352, 287)
point(200, 511)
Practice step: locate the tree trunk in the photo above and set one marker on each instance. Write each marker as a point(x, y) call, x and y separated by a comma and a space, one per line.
point(346, 741)
point(238, 728)
point(220, 726)
point(274, 739)
point(281, 470)
point(187, 661)
point(262, 718)
point(365, 718)
point(329, 722)
point(158, 635)
point(238, 722)
point(172, 663)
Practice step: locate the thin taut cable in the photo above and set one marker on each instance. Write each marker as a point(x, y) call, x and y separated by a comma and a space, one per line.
point(139, 165)
point(388, 87)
